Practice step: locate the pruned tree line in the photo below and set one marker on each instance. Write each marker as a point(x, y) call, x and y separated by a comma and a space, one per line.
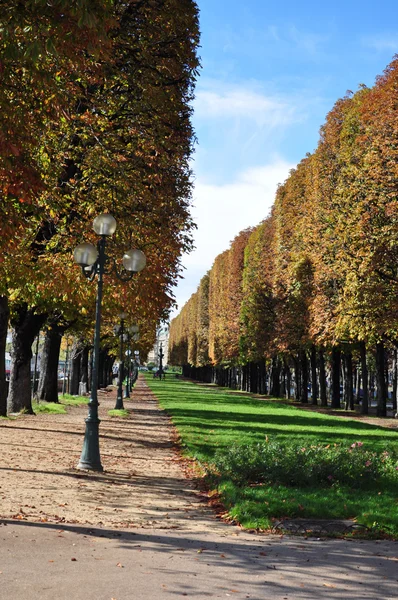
point(308, 299)
point(95, 117)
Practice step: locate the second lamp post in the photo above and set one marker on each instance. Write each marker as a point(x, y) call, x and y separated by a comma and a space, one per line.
point(132, 332)
point(119, 329)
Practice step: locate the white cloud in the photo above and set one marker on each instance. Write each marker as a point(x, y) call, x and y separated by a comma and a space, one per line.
point(309, 43)
point(382, 43)
point(222, 211)
point(275, 41)
point(217, 101)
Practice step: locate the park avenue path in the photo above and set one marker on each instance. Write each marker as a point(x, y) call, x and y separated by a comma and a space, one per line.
point(141, 530)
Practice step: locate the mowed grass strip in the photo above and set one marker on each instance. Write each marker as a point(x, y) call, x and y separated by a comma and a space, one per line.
point(211, 420)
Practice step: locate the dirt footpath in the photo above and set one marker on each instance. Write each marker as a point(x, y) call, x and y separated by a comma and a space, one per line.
point(143, 483)
point(142, 531)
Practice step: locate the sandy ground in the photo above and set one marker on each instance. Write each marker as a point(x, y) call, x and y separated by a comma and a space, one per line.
point(143, 483)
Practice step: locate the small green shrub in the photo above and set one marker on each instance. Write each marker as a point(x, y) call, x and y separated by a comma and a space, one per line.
point(292, 464)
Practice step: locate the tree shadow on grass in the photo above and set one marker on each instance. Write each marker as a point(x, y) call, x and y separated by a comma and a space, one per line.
point(254, 425)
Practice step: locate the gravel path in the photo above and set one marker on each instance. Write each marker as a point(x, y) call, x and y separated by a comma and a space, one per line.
point(143, 483)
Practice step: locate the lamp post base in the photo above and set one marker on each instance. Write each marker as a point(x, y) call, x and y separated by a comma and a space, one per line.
point(119, 402)
point(90, 457)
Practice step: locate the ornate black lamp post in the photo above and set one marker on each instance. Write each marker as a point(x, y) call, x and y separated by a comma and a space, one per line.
point(94, 262)
point(120, 331)
point(132, 331)
point(134, 370)
point(128, 368)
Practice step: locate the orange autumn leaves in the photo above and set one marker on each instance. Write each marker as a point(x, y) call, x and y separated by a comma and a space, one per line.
point(322, 268)
point(100, 123)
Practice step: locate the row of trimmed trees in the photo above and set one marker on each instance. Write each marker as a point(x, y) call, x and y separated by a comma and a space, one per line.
point(309, 298)
point(95, 117)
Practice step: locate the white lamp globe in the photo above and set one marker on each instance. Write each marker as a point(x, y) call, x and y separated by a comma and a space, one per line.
point(134, 260)
point(85, 254)
point(104, 224)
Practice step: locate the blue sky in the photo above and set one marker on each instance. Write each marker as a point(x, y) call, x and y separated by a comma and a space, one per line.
point(271, 71)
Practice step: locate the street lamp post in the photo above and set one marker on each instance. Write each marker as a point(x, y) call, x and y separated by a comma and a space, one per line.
point(95, 263)
point(120, 330)
point(128, 368)
point(161, 355)
point(136, 336)
point(131, 331)
point(134, 374)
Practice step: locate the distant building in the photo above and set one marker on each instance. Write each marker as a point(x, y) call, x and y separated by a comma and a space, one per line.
point(162, 338)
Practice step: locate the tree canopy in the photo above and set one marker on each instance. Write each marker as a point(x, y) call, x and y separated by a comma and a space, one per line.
point(320, 272)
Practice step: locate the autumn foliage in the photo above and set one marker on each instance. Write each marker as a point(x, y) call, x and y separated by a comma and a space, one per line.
point(318, 277)
point(95, 117)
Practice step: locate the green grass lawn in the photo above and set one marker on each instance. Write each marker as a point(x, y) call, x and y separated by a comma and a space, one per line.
point(59, 407)
point(70, 400)
point(122, 413)
point(53, 408)
point(211, 420)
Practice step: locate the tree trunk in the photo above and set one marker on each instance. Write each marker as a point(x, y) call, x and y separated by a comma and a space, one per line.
point(304, 377)
point(336, 363)
point(395, 381)
point(381, 410)
point(75, 359)
point(322, 380)
point(288, 379)
point(26, 325)
point(348, 382)
point(365, 379)
point(101, 369)
point(83, 384)
point(253, 378)
point(109, 363)
point(275, 377)
point(283, 380)
point(245, 378)
point(372, 387)
point(4, 315)
point(48, 381)
point(263, 377)
point(314, 387)
point(357, 385)
point(90, 369)
point(297, 379)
